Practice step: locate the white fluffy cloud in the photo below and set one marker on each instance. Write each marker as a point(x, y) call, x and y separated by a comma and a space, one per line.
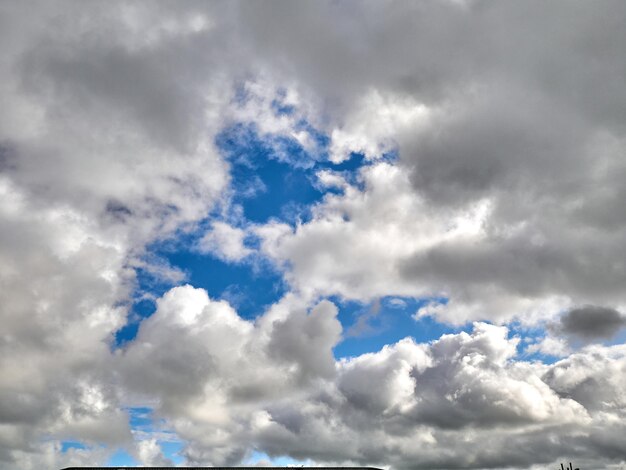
point(225, 241)
point(209, 369)
point(463, 400)
point(195, 348)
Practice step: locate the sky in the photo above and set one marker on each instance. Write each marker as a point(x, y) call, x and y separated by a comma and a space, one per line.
point(313, 233)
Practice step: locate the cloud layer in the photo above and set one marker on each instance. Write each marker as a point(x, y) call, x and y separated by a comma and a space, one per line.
point(459, 401)
point(492, 183)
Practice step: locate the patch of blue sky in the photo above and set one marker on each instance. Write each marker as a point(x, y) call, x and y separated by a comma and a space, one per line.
point(121, 458)
point(140, 417)
point(349, 166)
point(369, 327)
point(249, 287)
point(145, 425)
point(535, 334)
point(280, 107)
point(241, 143)
point(287, 193)
point(143, 305)
point(173, 451)
point(529, 335)
point(257, 458)
point(67, 445)
point(275, 177)
point(272, 176)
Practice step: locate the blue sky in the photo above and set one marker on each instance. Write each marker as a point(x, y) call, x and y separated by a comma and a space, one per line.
point(285, 189)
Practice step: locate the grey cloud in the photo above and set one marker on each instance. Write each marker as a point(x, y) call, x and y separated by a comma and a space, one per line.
point(570, 55)
point(592, 322)
point(492, 141)
point(210, 380)
point(215, 349)
point(517, 265)
point(86, 122)
point(527, 117)
point(94, 96)
point(307, 340)
point(143, 85)
point(469, 381)
point(120, 102)
point(457, 403)
point(7, 157)
point(593, 377)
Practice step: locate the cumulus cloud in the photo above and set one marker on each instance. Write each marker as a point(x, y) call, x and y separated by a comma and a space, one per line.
point(209, 369)
point(149, 454)
point(406, 405)
point(463, 400)
point(214, 344)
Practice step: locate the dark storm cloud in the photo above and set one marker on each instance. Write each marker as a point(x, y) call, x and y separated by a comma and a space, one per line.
point(592, 322)
point(8, 158)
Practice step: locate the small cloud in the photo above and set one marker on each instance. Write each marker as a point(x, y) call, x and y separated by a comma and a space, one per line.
point(431, 309)
point(396, 302)
point(159, 269)
point(225, 241)
point(330, 179)
point(591, 322)
point(149, 452)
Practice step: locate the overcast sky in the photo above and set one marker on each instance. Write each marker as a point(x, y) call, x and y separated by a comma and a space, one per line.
point(313, 233)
